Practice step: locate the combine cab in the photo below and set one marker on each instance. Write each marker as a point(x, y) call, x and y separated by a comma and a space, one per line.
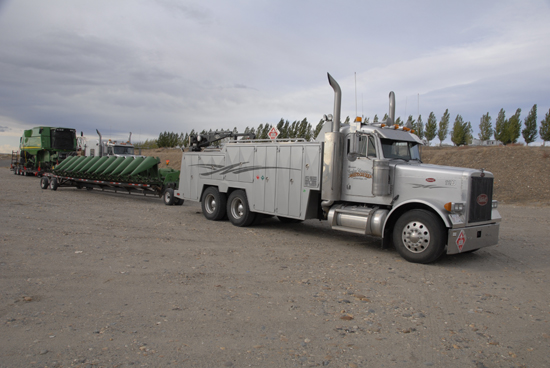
point(41, 149)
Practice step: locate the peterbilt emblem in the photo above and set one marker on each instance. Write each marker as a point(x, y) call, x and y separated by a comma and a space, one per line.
point(482, 199)
point(430, 180)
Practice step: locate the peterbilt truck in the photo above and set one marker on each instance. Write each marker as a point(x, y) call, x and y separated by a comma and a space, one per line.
point(104, 147)
point(362, 178)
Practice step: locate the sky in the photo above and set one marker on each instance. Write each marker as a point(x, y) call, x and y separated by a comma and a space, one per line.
point(149, 66)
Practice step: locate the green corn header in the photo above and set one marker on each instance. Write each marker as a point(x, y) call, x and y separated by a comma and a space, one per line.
point(126, 173)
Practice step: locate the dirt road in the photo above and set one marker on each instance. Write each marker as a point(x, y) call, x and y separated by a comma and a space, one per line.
point(93, 279)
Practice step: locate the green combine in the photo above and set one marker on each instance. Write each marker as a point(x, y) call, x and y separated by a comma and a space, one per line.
point(41, 149)
point(129, 174)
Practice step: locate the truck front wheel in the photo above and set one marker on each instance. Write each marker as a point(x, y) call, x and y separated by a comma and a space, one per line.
point(419, 236)
point(237, 209)
point(213, 204)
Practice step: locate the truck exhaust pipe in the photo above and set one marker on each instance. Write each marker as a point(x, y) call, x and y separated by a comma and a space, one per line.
point(337, 103)
point(391, 115)
point(130, 138)
point(100, 145)
point(332, 156)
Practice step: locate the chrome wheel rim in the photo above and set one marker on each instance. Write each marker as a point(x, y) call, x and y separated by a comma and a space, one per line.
point(416, 237)
point(237, 208)
point(210, 203)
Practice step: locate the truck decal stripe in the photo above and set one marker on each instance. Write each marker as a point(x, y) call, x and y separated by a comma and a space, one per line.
point(236, 168)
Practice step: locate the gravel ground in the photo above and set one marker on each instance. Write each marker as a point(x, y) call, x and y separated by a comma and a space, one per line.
point(96, 279)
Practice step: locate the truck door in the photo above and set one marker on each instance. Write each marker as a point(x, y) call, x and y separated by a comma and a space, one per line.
point(357, 171)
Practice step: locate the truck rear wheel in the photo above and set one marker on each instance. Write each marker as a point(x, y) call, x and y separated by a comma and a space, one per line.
point(238, 211)
point(419, 236)
point(213, 204)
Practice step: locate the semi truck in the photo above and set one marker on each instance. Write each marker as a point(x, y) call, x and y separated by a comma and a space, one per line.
point(361, 178)
point(104, 147)
point(41, 148)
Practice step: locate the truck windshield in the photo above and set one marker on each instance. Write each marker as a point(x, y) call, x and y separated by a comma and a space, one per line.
point(399, 149)
point(122, 150)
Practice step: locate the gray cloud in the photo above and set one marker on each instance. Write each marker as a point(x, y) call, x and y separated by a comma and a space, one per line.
point(167, 65)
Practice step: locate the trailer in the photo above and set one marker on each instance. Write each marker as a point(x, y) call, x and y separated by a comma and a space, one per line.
point(41, 148)
point(362, 178)
point(127, 174)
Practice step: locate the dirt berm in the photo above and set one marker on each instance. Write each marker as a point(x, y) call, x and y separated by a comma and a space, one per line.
point(522, 174)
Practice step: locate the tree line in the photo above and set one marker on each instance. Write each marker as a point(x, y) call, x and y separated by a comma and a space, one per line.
point(505, 130)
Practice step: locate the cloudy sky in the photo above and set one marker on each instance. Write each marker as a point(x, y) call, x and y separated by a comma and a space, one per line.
point(148, 66)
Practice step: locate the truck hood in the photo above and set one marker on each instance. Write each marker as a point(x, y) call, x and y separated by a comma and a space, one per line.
point(432, 183)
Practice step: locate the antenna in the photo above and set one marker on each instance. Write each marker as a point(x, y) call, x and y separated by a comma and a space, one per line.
point(355, 95)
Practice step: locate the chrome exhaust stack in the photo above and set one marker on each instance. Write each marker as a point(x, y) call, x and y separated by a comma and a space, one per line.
point(332, 156)
point(100, 145)
point(391, 115)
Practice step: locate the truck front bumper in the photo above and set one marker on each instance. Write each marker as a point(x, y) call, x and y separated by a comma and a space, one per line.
point(471, 238)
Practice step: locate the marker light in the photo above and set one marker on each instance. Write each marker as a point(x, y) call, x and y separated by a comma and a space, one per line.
point(454, 207)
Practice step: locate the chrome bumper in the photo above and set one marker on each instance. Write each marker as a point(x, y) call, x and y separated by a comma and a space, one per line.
point(471, 238)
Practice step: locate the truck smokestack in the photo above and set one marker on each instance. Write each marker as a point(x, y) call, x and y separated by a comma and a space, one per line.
point(392, 109)
point(332, 156)
point(130, 138)
point(100, 145)
point(337, 103)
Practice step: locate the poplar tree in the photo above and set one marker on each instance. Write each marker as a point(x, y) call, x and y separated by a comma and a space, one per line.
point(530, 131)
point(544, 129)
point(443, 127)
point(485, 127)
point(513, 127)
point(500, 126)
point(418, 127)
point(431, 128)
point(462, 132)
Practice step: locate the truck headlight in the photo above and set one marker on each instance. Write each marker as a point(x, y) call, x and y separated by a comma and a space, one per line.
point(454, 207)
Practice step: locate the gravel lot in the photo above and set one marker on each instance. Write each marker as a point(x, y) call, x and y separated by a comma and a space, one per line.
point(96, 279)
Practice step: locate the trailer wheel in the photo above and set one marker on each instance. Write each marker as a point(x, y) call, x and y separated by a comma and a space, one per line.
point(213, 204)
point(53, 184)
point(179, 202)
point(44, 183)
point(237, 209)
point(169, 197)
point(419, 236)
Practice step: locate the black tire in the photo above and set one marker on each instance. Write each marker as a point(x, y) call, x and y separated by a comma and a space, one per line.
point(238, 211)
point(419, 236)
point(15, 171)
point(53, 184)
point(288, 220)
point(89, 188)
point(213, 204)
point(169, 198)
point(179, 202)
point(44, 183)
